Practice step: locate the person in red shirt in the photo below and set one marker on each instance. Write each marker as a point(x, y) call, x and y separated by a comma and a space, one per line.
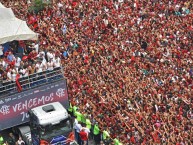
point(32, 55)
point(84, 137)
point(132, 140)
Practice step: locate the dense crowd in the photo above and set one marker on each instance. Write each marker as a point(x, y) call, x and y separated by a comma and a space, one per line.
point(129, 63)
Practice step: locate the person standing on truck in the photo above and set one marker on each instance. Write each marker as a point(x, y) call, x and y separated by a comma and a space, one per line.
point(11, 139)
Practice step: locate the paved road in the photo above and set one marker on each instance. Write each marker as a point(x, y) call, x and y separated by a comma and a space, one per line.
point(91, 142)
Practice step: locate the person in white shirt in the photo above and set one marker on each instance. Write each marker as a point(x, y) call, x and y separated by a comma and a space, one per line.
point(44, 65)
point(39, 67)
point(50, 55)
point(17, 62)
point(22, 72)
point(20, 141)
point(60, 5)
point(13, 75)
point(9, 77)
point(87, 130)
point(5, 64)
point(77, 128)
point(26, 72)
point(54, 56)
point(50, 65)
point(36, 46)
point(29, 2)
point(41, 55)
point(57, 62)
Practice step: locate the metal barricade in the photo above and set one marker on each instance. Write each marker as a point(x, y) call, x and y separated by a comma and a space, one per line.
point(31, 81)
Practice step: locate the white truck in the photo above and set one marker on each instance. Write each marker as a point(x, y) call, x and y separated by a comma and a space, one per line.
point(37, 113)
point(49, 124)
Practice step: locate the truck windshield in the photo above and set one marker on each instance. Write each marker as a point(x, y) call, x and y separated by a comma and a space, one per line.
point(49, 131)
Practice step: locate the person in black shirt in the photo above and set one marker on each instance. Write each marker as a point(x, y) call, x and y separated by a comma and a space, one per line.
point(144, 45)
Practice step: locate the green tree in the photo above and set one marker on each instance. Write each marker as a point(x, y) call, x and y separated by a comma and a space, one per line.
point(38, 5)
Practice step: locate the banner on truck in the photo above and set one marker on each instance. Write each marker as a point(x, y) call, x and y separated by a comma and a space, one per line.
point(14, 108)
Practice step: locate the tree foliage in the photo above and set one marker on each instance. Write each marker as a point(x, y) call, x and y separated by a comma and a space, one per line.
point(38, 5)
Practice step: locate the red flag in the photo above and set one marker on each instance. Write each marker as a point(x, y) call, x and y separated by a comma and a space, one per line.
point(19, 88)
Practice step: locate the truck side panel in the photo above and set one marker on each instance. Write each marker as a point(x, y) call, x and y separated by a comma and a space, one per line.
point(14, 108)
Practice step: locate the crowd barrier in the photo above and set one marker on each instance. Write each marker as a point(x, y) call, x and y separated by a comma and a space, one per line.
point(31, 81)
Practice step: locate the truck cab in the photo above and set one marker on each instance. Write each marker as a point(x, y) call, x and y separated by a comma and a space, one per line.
point(50, 124)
